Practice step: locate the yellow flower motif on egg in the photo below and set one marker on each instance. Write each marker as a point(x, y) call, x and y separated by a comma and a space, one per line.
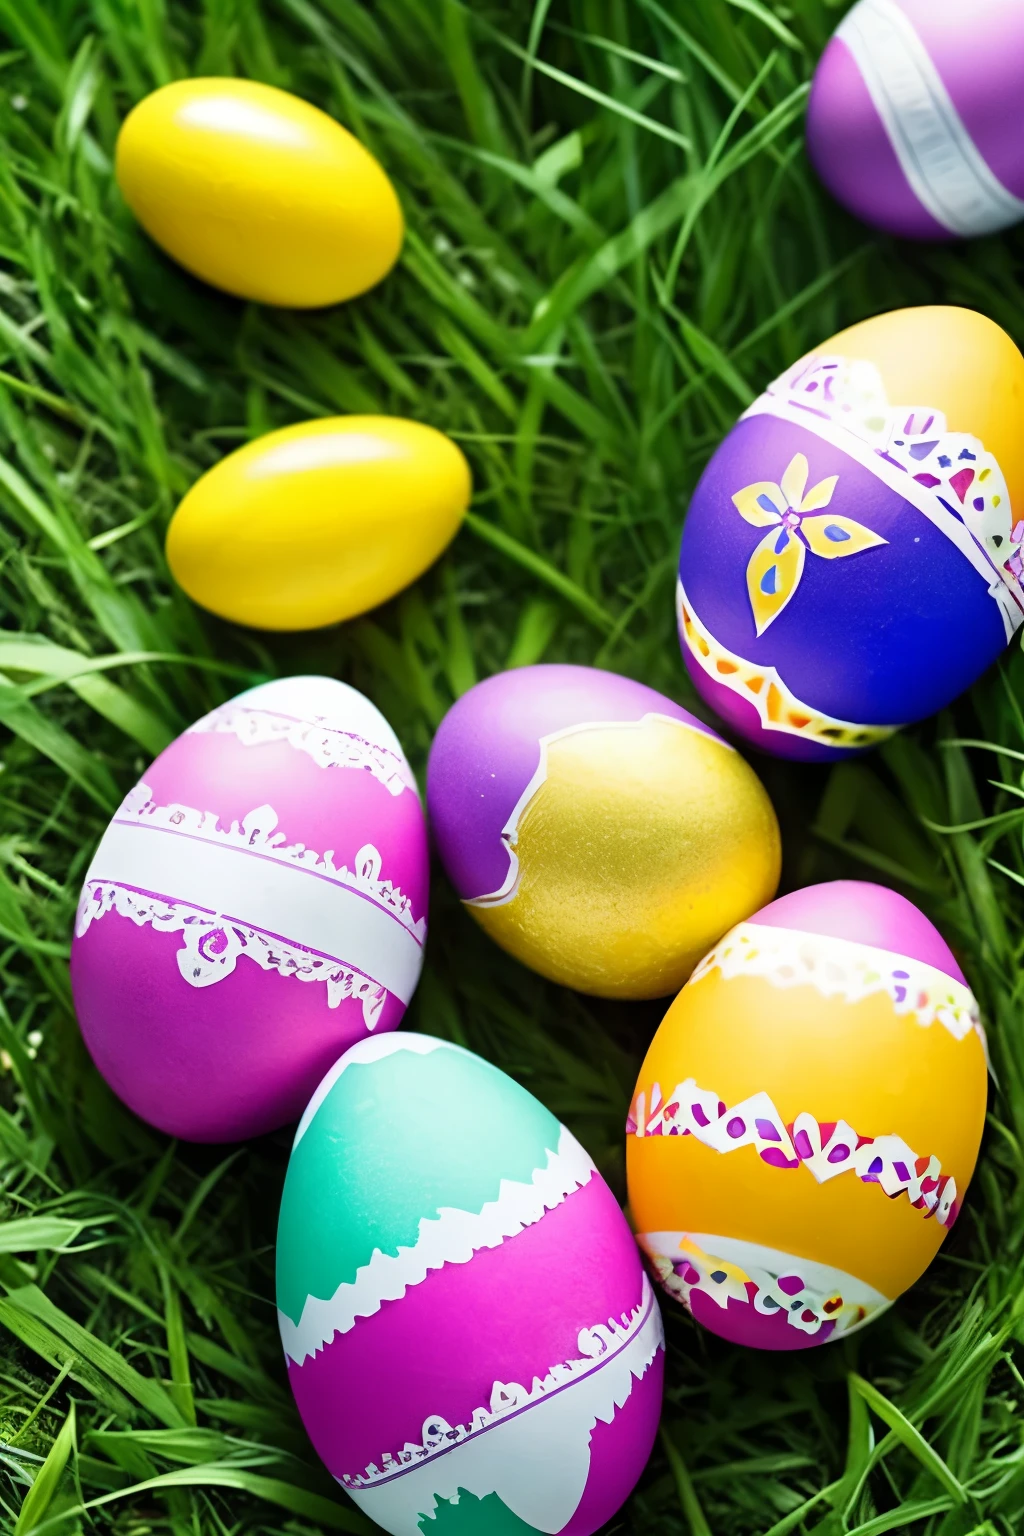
point(777, 564)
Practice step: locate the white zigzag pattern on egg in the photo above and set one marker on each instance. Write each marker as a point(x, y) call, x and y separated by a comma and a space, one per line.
point(452, 1237)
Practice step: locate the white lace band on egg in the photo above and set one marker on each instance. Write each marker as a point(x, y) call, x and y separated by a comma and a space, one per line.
point(724, 1270)
point(777, 705)
point(827, 1149)
point(214, 889)
point(328, 746)
point(787, 957)
point(631, 1342)
point(950, 477)
point(213, 946)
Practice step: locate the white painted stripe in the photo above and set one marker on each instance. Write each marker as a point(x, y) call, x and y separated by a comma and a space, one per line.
point(904, 485)
point(450, 1237)
point(536, 1459)
point(937, 155)
point(292, 903)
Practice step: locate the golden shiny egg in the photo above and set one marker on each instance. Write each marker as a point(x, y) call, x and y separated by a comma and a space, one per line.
point(596, 830)
point(318, 522)
point(258, 192)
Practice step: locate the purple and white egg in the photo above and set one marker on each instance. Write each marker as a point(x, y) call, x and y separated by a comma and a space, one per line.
point(914, 121)
point(257, 905)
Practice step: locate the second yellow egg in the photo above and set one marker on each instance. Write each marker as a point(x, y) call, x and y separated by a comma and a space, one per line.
point(318, 522)
point(258, 192)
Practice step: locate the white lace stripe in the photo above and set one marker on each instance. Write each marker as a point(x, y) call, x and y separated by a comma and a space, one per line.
point(937, 155)
point(904, 485)
point(292, 903)
point(537, 1457)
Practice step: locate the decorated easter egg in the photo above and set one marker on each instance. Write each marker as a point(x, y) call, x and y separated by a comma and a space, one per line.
point(318, 522)
point(258, 193)
point(257, 905)
point(597, 831)
point(470, 1337)
point(808, 1117)
point(914, 116)
point(851, 559)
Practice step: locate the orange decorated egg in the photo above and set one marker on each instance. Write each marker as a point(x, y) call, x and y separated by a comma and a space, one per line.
point(808, 1117)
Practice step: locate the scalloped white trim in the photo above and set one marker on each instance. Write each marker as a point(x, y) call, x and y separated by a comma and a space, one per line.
point(788, 957)
point(531, 1445)
point(256, 834)
point(810, 1294)
point(327, 745)
point(452, 1237)
point(843, 401)
point(214, 945)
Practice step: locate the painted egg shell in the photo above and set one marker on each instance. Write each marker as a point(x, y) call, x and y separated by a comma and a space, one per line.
point(318, 522)
point(258, 193)
point(470, 1337)
point(256, 906)
point(597, 831)
point(808, 1118)
point(851, 558)
point(914, 116)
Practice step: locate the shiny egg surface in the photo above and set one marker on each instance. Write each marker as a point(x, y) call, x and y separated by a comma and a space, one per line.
point(318, 522)
point(808, 1118)
point(257, 904)
point(851, 559)
point(470, 1337)
point(595, 829)
point(914, 117)
point(258, 192)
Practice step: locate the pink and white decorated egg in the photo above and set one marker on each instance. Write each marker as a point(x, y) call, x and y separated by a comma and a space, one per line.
point(257, 905)
point(471, 1340)
point(914, 121)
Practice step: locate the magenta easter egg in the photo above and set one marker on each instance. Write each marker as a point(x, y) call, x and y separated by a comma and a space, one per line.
point(471, 1340)
point(914, 116)
point(257, 905)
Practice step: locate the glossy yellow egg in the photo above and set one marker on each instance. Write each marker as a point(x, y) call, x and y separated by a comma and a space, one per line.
point(258, 193)
point(318, 522)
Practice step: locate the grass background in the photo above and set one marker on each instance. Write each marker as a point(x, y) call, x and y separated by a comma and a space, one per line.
point(614, 242)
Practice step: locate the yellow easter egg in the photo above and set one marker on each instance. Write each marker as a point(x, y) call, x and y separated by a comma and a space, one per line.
point(808, 1117)
point(318, 522)
point(258, 192)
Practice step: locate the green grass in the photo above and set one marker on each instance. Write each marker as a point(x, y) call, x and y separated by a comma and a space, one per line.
point(614, 242)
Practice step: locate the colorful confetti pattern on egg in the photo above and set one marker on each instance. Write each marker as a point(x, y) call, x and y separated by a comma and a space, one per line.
point(470, 1337)
point(851, 559)
point(257, 904)
point(808, 1118)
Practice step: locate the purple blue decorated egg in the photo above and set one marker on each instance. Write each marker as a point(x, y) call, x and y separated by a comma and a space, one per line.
point(595, 829)
point(914, 120)
point(471, 1340)
point(257, 905)
point(852, 557)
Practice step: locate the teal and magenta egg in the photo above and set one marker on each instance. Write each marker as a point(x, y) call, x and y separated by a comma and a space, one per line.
point(852, 557)
point(471, 1339)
